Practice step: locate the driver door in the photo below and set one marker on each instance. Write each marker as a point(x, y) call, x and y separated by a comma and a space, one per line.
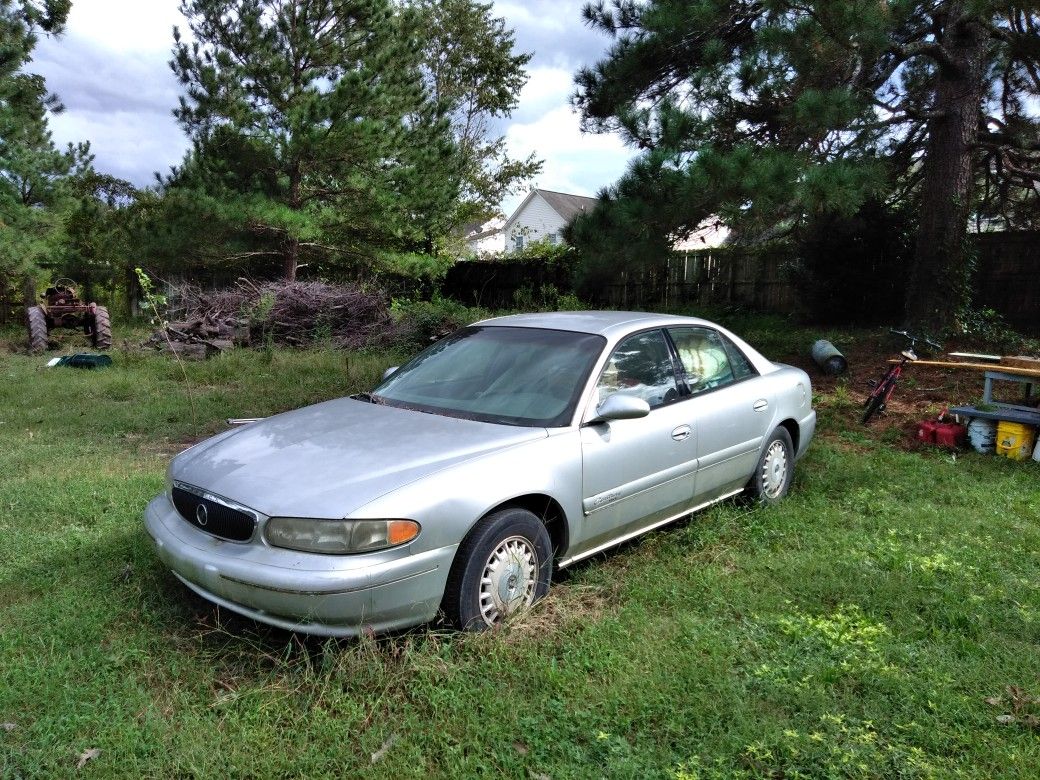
point(637, 472)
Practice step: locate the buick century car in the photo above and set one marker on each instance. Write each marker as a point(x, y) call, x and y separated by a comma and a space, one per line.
point(510, 449)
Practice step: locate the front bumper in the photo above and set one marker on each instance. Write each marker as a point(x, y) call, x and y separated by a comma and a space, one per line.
point(327, 595)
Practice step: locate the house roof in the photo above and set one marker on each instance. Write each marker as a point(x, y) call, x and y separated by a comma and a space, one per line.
point(478, 230)
point(563, 203)
point(566, 205)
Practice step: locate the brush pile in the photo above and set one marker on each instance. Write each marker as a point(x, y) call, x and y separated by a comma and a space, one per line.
point(205, 322)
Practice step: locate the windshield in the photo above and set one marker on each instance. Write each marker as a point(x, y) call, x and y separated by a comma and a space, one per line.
point(517, 376)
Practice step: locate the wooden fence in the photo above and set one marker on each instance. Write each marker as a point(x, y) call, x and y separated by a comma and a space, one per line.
point(506, 283)
point(1008, 277)
point(755, 279)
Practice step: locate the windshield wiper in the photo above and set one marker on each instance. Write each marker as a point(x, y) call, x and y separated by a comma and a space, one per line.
point(372, 399)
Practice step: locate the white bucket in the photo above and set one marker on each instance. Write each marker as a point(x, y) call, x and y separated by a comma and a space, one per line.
point(1036, 450)
point(982, 435)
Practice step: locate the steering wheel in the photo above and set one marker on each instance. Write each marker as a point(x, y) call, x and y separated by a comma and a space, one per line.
point(57, 283)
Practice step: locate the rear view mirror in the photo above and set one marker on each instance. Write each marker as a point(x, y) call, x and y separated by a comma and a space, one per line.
point(621, 407)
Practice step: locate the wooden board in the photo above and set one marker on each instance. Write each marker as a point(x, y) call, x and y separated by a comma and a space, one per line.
point(973, 356)
point(1030, 372)
point(1021, 361)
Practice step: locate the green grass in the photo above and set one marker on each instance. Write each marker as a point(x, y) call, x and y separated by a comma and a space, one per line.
point(854, 631)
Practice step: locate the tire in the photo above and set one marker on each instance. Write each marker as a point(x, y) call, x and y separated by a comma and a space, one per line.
point(101, 331)
point(874, 405)
point(772, 478)
point(36, 321)
point(502, 567)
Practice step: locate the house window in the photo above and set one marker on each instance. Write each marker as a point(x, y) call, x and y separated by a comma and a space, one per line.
point(554, 238)
point(519, 240)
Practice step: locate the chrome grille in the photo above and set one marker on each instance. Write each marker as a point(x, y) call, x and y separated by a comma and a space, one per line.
point(213, 517)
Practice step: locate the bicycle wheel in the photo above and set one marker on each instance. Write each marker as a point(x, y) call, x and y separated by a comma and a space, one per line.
point(875, 404)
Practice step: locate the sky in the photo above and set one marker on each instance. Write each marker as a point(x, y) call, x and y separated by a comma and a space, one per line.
point(110, 71)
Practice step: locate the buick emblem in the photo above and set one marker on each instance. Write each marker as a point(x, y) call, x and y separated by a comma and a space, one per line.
point(201, 514)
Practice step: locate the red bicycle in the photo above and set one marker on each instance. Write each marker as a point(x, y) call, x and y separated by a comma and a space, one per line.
point(877, 401)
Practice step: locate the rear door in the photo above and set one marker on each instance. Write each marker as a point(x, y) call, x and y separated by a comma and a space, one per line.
point(730, 408)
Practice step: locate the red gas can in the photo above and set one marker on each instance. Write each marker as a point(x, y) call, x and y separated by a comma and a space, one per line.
point(926, 431)
point(950, 435)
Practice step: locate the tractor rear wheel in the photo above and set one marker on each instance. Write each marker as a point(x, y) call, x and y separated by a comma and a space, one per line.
point(37, 323)
point(101, 335)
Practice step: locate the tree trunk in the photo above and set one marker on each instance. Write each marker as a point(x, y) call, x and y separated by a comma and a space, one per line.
point(292, 243)
point(938, 284)
point(291, 259)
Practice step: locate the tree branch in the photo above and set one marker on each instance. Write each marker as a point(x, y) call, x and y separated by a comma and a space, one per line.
point(934, 51)
point(1007, 140)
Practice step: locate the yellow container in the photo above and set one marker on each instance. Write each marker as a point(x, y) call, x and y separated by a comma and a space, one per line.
point(1015, 440)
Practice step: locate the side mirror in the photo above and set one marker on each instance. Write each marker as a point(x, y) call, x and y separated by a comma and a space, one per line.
point(389, 371)
point(621, 407)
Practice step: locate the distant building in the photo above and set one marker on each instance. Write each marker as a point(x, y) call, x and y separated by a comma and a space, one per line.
point(543, 214)
point(709, 234)
point(486, 238)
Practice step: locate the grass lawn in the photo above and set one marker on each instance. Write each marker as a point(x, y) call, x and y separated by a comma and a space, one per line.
point(879, 623)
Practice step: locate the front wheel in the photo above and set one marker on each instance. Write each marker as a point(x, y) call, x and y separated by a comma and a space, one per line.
point(36, 321)
point(875, 404)
point(502, 567)
point(772, 478)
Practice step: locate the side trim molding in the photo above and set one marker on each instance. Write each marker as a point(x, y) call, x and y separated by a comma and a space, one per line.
point(621, 539)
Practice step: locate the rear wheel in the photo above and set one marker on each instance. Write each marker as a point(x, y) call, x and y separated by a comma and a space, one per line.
point(37, 324)
point(501, 568)
point(772, 478)
point(101, 332)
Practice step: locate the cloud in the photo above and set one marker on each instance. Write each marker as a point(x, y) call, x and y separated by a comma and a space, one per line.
point(554, 31)
point(575, 162)
point(110, 71)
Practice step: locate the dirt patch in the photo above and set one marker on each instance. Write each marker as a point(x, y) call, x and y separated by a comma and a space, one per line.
point(167, 448)
point(922, 392)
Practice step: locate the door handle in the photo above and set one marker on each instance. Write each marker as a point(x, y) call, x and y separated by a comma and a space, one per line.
point(682, 432)
point(760, 405)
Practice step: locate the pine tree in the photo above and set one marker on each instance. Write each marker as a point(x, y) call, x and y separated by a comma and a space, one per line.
point(33, 173)
point(765, 111)
point(475, 78)
point(313, 137)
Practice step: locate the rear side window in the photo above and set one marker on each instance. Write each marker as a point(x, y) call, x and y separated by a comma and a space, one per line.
point(709, 359)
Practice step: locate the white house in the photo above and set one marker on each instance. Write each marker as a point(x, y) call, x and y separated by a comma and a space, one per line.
point(709, 234)
point(486, 238)
point(543, 214)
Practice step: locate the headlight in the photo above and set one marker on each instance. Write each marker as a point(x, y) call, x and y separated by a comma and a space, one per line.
point(338, 537)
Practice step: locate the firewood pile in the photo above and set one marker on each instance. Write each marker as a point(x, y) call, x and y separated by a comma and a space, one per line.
point(206, 322)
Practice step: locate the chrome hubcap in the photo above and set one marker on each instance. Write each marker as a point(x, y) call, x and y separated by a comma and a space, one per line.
point(508, 582)
point(774, 469)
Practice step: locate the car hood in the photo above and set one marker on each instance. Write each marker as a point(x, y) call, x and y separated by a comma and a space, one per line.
point(329, 459)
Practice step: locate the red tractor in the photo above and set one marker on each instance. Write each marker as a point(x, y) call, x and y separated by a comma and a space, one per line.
point(61, 307)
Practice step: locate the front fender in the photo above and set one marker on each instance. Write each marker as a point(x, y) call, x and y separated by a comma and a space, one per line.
point(449, 503)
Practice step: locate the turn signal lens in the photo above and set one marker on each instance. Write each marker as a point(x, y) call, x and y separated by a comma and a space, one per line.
point(401, 531)
point(338, 537)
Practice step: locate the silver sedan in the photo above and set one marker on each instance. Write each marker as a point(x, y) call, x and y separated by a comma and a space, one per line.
point(511, 448)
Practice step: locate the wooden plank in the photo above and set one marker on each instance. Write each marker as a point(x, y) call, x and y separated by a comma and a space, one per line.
point(990, 358)
point(1030, 372)
point(999, 412)
point(1020, 361)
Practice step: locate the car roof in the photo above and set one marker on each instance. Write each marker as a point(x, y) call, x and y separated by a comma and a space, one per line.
point(603, 323)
